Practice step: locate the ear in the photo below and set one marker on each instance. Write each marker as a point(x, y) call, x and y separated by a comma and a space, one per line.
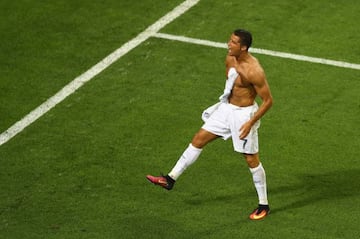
point(243, 48)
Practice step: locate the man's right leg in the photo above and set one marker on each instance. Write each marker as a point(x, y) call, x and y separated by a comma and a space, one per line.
point(189, 156)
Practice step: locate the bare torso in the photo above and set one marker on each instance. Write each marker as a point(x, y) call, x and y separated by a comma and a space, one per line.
point(243, 92)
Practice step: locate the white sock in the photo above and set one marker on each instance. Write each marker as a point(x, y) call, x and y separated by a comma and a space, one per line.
point(259, 179)
point(187, 158)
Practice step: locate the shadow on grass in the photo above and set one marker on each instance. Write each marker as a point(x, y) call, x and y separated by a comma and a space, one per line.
point(199, 199)
point(152, 227)
point(313, 188)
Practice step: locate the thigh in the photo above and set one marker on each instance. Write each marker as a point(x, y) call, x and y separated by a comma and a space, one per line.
point(250, 144)
point(218, 122)
point(202, 137)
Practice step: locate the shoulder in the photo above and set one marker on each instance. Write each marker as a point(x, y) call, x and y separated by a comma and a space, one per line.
point(255, 72)
point(230, 61)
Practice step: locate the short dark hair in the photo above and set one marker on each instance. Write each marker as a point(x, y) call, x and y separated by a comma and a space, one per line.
point(245, 37)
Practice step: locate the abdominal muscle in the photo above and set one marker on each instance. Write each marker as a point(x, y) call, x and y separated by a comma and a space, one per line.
point(242, 95)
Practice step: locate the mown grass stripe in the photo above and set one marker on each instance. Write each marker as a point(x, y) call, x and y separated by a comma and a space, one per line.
point(95, 70)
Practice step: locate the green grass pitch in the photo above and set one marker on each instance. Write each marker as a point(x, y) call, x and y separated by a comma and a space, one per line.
point(79, 171)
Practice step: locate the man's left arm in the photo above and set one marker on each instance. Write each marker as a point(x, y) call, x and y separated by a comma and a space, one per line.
point(262, 89)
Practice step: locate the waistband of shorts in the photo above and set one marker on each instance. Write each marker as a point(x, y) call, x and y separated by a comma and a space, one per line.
point(235, 107)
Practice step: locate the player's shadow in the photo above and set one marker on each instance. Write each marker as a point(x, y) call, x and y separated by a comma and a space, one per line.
point(312, 188)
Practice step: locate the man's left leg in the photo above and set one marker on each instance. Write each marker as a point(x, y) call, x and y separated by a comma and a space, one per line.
point(259, 179)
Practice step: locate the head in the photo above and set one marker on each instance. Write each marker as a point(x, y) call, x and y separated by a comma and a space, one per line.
point(244, 36)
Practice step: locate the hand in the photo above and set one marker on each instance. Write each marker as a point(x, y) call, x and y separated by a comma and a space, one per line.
point(245, 129)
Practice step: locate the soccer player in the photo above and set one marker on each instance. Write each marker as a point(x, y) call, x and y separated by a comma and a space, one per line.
point(236, 115)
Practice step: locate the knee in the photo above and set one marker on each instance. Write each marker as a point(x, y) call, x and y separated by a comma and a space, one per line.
point(202, 138)
point(198, 141)
point(252, 160)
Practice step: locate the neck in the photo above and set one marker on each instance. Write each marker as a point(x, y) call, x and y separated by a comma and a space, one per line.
point(244, 55)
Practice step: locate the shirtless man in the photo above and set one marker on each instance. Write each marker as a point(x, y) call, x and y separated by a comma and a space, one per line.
point(237, 115)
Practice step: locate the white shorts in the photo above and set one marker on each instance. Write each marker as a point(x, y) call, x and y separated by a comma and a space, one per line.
point(225, 120)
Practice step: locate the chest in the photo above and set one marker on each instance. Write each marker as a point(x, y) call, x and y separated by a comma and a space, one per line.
point(242, 82)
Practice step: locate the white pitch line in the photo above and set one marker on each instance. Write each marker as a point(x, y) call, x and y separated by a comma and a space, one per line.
point(261, 51)
point(95, 70)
